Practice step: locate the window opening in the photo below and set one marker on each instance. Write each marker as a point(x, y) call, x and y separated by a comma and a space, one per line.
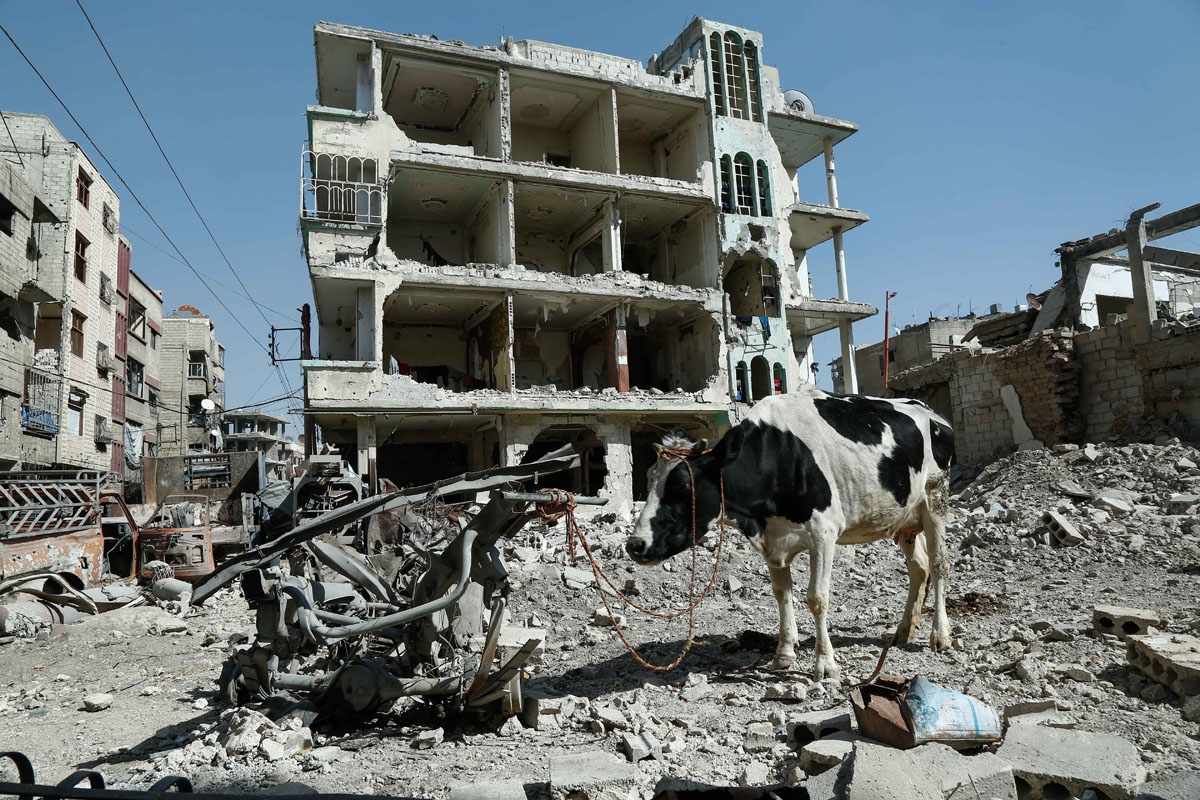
point(770, 289)
point(135, 378)
point(735, 75)
point(764, 190)
point(83, 188)
point(780, 379)
point(753, 93)
point(742, 375)
point(137, 319)
point(81, 249)
point(743, 172)
point(726, 185)
point(77, 321)
point(718, 72)
point(75, 401)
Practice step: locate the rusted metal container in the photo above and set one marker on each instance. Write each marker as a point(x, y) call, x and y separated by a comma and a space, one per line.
point(906, 713)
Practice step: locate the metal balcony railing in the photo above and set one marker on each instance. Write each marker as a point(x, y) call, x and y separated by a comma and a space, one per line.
point(340, 189)
point(39, 410)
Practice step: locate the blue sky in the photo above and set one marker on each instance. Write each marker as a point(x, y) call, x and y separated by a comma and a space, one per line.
point(991, 132)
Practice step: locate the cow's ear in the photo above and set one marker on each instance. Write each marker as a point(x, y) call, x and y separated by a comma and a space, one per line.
point(700, 447)
point(730, 445)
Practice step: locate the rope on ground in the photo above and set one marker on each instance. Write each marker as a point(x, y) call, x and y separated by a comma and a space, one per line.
point(565, 503)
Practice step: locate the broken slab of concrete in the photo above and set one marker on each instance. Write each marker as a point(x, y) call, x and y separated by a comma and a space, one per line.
point(593, 775)
point(1123, 622)
point(1172, 659)
point(822, 754)
point(492, 790)
point(1181, 786)
point(1056, 762)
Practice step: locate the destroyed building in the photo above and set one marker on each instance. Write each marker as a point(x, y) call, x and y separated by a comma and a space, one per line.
point(521, 246)
point(193, 383)
point(247, 431)
point(1112, 350)
point(911, 346)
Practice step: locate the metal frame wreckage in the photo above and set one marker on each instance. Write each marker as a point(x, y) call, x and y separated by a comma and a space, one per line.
point(411, 603)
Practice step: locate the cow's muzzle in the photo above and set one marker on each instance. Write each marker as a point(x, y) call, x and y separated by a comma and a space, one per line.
point(638, 550)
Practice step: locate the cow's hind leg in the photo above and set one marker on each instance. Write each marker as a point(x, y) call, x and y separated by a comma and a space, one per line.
point(781, 584)
point(820, 576)
point(933, 521)
point(917, 557)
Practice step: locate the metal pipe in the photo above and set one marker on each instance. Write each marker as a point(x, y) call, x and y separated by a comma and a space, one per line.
point(887, 330)
point(539, 497)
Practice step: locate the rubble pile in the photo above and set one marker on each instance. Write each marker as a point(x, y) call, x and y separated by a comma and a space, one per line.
point(1073, 599)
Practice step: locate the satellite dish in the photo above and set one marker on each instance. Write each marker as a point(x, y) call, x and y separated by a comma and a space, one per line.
point(207, 405)
point(798, 101)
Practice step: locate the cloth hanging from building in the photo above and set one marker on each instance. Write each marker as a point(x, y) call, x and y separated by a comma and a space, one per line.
point(766, 323)
point(134, 437)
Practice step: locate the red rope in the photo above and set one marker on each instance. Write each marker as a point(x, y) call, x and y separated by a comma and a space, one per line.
point(566, 503)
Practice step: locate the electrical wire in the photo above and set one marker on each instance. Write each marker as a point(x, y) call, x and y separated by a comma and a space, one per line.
point(126, 229)
point(132, 193)
point(170, 166)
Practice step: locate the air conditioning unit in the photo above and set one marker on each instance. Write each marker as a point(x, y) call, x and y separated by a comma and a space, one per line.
point(104, 431)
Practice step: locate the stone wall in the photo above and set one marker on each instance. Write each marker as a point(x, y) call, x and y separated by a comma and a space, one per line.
point(1060, 387)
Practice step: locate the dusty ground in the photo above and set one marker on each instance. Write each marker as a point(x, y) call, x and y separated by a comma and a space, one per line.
point(1015, 600)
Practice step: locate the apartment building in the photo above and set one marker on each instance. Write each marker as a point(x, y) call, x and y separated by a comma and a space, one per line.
point(520, 246)
point(139, 343)
point(192, 389)
point(912, 346)
point(23, 215)
point(252, 430)
point(70, 386)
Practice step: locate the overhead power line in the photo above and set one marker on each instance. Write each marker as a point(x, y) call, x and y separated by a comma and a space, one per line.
point(245, 291)
point(129, 189)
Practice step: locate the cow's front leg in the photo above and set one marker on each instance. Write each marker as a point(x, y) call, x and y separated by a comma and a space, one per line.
point(820, 573)
point(933, 520)
point(781, 584)
point(917, 557)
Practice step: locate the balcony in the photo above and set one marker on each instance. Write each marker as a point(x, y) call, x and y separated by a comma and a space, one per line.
point(39, 410)
point(340, 189)
point(814, 224)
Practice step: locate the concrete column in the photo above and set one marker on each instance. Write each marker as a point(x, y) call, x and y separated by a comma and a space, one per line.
point(616, 349)
point(618, 458)
point(611, 237)
point(367, 451)
point(507, 224)
point(1143, 312)
point(830, 173)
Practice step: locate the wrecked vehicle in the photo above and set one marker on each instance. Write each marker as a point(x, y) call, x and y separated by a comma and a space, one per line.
point(422, 614)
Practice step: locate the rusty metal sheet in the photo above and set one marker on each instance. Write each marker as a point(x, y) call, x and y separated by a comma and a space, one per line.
point(80, 553)
point(880, 711)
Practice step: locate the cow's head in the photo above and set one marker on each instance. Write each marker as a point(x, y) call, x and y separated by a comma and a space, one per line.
point(664, 527)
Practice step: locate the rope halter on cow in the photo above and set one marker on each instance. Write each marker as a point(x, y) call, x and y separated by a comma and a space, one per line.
point(565, 503)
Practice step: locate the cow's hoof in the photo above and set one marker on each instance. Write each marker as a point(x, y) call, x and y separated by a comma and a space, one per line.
point(783, 663)
point(826, 668)
point(939, 641)
point(905, 634)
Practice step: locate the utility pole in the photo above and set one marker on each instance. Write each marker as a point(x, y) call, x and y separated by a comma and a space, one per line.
point(887, 330)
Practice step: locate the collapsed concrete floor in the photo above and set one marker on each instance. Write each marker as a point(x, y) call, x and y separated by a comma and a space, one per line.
point(1021, 609)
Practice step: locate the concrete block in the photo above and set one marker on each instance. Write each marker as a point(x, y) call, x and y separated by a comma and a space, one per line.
point(491, 790)
point(1062, 531)
point(1180, 786)
point(1124, 621)
point(760, 737)
point(878, 772)
point(821, 754)
point(591, 775)
point(1182, 503)
point(1052, 762)
point(1172, 659)
point(811, 725)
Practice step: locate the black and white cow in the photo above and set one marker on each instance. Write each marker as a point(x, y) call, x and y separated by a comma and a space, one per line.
point(809, 471)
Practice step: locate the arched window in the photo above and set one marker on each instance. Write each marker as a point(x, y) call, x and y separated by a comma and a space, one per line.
point(760, 378)
point(764, 190)
point(753, 93)
point(726, 185)
point(743, 181)
point(780, 379)
point(735, 76)
point(718, 72)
